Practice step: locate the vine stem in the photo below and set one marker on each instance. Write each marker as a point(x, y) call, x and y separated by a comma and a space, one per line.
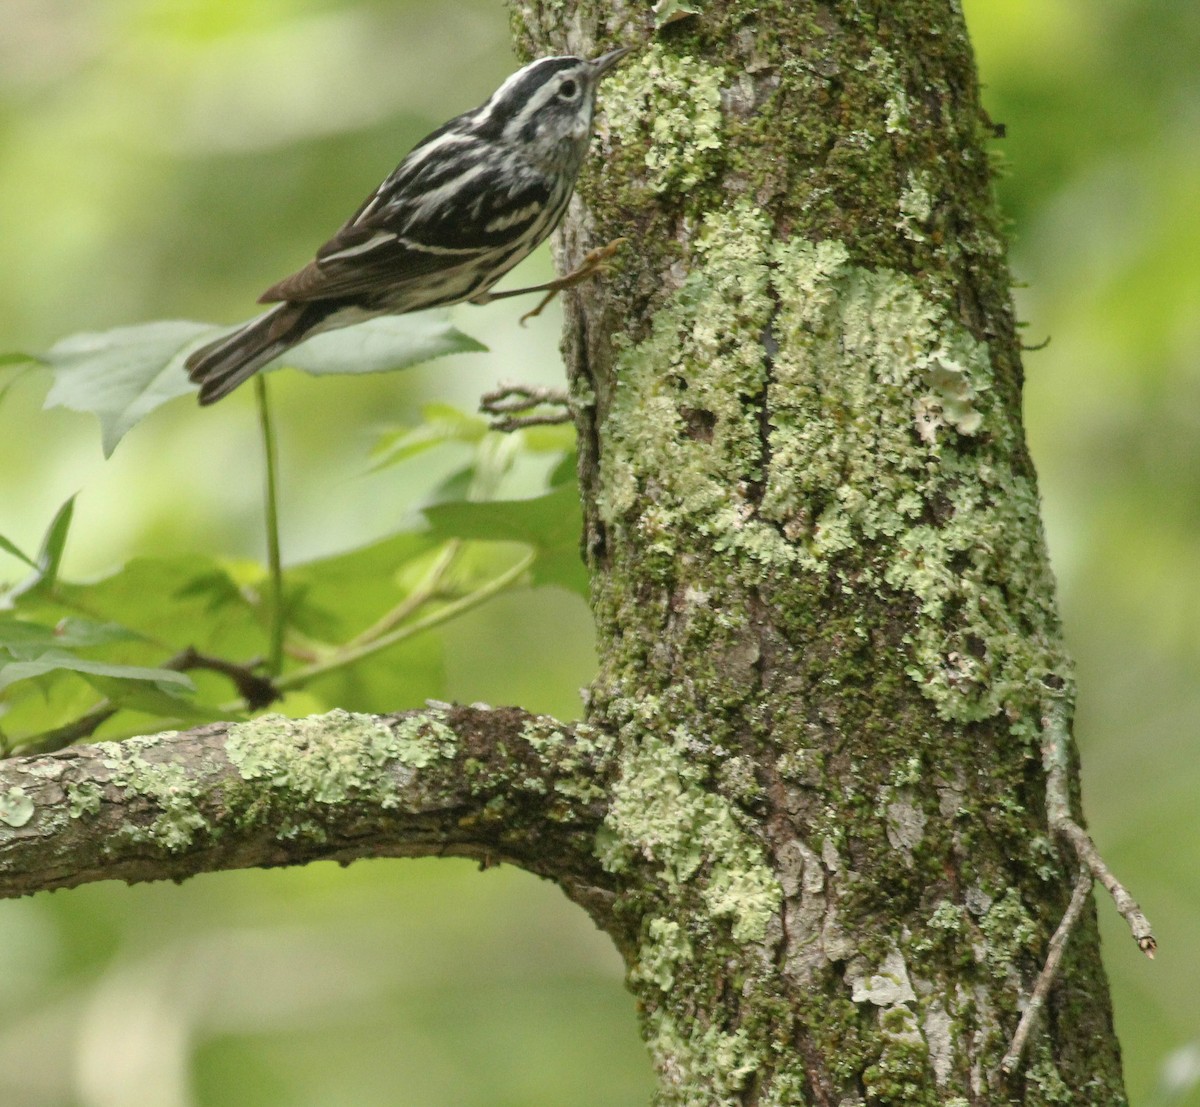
point(419, 596)
point(349, 654)
point(275, 614)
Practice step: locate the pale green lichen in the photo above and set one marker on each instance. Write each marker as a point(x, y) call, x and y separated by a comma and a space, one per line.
point(579, 760)
point(1046, 1086)
point(672, 105)
point(861, 365)
point(660, 812)
point(693, 1056)
point(671, 11)
point(16, 808)
point(143, 766)
point(954, 386)
point(83, 798)
point(1010, 931)
point(329, 758)
point(916, 206)
point(666, 946)
point(418, 741)
point(896, 108)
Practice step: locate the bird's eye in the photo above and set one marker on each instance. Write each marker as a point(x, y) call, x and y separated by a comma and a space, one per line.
point(568, 90)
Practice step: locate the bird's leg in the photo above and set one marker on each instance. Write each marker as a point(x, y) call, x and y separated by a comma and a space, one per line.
point(595, 263)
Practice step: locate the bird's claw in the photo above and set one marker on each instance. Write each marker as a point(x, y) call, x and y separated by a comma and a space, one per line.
point(595, 263)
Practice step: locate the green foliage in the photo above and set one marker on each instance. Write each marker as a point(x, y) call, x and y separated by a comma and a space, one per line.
point(169, 161)
point(124, 374)
point(339, 619)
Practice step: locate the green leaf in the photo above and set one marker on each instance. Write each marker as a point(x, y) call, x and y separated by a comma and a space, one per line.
point(337, 597)
point(566, 471)
point(379, 345)
point(549, 523)
point(49, 557)
point(122, 375)
point(51, 661)
point(163, 599)
point(11, 548)
point(22, 639)
point(441, 423)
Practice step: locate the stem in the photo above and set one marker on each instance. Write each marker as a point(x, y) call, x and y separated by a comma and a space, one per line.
point(352, 653)
point(275, 615)
point(1054, 956)
point(420, 595)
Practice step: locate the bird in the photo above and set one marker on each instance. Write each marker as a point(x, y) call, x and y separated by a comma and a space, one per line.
point(463, 207)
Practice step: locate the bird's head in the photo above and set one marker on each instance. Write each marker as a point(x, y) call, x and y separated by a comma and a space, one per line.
point(545, 110)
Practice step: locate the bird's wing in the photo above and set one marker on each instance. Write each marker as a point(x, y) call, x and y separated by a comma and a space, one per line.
point(453, 200)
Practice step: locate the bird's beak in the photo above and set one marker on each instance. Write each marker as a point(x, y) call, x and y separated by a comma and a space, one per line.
point(605, 62)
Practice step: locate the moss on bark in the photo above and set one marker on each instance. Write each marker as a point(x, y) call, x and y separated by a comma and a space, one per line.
point(827, 622)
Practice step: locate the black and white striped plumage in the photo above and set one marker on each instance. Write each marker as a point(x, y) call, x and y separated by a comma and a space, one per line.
point(467, 204)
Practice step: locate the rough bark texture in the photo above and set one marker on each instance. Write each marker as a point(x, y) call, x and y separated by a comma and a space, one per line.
point(827, 624)
point(495, 784)
point(808, 803)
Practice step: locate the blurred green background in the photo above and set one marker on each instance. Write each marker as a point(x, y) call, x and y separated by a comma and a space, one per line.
point(171, 158)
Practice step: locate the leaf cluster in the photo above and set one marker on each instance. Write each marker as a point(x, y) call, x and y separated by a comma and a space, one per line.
point(179, 639)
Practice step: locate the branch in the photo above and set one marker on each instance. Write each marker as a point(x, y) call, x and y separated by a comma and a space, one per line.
point(497, 784)
point(510, 405)
point(1058, 815)
point(1045, 980)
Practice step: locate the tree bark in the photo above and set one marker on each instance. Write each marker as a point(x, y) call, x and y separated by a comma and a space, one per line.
point(829, 647)
point(809, 802)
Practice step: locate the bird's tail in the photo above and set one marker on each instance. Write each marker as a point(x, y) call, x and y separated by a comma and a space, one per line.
point(222, 365)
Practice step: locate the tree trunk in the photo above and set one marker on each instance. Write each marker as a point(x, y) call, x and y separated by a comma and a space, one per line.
point(823, 793)
point(827, 626)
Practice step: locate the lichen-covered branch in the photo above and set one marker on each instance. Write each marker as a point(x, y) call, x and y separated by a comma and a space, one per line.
point(496, 784)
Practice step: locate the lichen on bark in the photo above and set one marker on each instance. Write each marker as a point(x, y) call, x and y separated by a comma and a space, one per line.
point(820, 582)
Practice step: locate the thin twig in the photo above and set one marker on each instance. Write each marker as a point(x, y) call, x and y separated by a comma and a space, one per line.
point(1045, 980)
point(348, 656)
point(275, 613)
point(257, 691)
point(508, 401)
point(1055, 744)
point(512, 423)
point(60, 737)
point(422, 594)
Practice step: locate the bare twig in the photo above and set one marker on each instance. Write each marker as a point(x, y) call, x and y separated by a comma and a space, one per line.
point(507, 403)
point(257, 691)
point(1045, 980)
point(49, 741)
point(1055, 744)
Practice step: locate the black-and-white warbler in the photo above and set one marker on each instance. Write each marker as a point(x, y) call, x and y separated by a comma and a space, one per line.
point(467, 204)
